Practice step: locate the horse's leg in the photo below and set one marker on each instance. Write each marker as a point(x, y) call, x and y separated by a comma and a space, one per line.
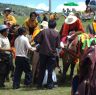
point(72, 62)
point(65, 65)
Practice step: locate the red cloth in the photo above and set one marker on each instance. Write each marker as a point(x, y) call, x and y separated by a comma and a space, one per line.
point(77, 26)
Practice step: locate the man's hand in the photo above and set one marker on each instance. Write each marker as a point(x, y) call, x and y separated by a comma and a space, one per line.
point(33, 48)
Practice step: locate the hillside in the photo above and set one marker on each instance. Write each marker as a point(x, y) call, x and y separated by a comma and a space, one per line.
point(17, 9)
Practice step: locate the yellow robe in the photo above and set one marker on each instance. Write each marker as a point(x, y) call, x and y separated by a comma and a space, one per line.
point(33, 24)
point(94, 26)
point(11, 19)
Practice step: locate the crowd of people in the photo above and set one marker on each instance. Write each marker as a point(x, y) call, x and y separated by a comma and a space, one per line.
point(43, 38)
point(27, 35)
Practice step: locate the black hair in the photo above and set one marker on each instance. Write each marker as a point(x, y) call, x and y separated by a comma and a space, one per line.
point(21, 30)
point(32, 14)
point(52, 24)
point(4, 30)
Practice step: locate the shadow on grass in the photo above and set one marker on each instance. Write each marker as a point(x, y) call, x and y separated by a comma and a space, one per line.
point(62, 83)
point(6, 88)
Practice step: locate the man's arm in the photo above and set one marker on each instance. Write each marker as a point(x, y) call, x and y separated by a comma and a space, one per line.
point(1, 49)
point(64, 30)
point(13, 20)
point(28, 46)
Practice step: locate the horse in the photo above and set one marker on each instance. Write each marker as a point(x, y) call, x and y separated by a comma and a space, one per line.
point(73, 50)
point(85, 82)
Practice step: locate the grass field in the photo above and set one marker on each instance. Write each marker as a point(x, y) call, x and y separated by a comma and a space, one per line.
point(63, 89)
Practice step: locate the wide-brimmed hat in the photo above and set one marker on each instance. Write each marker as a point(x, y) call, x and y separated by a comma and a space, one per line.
point(71, 19)
point(3, 27)
point(44, 24)
point(7, 9)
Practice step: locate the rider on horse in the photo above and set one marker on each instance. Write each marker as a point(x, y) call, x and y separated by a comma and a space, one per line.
point(9, 19)
point(74, 27)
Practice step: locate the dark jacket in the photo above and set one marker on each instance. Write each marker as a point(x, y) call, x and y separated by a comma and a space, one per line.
point(49, 40)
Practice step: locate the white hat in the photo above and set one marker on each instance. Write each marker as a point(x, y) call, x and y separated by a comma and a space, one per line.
point(71, 19)
point(44, 24)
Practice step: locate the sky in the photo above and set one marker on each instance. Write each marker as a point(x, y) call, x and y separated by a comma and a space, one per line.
point(57, 5)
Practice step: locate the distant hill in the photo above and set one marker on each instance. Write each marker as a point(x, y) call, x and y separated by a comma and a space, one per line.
point(17, 9)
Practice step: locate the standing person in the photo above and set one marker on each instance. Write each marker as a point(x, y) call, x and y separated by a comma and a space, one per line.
point(39, 18)
point(5, 54)
point(44, 18)
point(35, 58)
point(91, 28)
point(72, 23)
point(32, 26)
point(9, 19)
point(49, 41)
point(22, 63)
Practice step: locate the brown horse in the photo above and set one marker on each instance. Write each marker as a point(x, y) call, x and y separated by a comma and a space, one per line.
point(72, 51)
point(85, 82)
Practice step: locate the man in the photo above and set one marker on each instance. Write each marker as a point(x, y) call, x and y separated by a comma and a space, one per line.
point(22, 63)
point(44, 18)
point(5, 54)
point(9, 19)
point(32, 26)
point(71, 24)
point(49, 41)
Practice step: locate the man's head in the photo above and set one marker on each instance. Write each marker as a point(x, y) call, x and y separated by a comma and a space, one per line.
point(4, 30)
point(7, 11)
point(33, 16)
point(52, 24)
point(22, 31)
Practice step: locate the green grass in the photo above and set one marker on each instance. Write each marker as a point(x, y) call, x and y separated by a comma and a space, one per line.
point(33, 91)
point(63, 89)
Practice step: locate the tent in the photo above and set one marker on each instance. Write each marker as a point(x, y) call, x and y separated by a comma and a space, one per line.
point(71, 4)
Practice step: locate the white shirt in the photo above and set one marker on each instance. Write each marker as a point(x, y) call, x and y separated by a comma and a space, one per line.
point(4, 42)
point(22, 45)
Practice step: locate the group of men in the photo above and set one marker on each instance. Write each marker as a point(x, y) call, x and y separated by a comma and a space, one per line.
point(48, 40)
